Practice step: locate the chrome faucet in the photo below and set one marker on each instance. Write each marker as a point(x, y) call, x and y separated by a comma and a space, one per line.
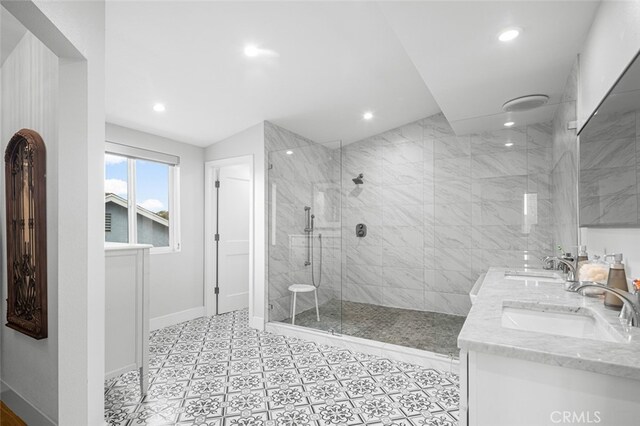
point(554, 262)
point(631, 311)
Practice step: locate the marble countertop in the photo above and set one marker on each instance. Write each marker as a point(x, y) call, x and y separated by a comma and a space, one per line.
point(483, 330)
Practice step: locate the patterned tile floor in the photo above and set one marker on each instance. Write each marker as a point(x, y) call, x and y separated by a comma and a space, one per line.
point(429, 331)
point(216, 371)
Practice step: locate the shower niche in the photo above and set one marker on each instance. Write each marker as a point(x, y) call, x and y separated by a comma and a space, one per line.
point(326, 203)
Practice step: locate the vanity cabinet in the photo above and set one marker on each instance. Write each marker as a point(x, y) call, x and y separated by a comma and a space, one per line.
point(127, 310)
point(546, 365)
point(498, 390)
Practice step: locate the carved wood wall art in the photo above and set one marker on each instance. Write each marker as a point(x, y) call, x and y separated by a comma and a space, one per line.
point(25, 173)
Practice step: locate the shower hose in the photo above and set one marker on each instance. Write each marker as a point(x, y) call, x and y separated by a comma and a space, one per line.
point(313, 277)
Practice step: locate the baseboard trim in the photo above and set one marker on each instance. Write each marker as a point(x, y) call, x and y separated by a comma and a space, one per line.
point(176, 318)
point(30, 414)
point(120, 371)
point(257, 323)
point(386, 350)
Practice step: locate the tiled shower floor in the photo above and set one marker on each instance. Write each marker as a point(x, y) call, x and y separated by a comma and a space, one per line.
point(216, 371)
point(430, 331)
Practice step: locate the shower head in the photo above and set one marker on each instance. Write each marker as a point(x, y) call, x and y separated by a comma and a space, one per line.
point(358, 179)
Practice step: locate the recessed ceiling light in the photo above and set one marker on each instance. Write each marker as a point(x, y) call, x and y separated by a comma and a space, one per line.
point(509, 124)
point(508, 144)
point(289, 152)
point(159, 107)
point(367, 115)
point(251, 50)
point(509, 34)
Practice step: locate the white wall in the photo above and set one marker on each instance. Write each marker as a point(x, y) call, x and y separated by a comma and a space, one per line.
point(74, 31)
point(29, 98)
point(176, 278)
point(612, 240)
point(612, 42)
point(251, 142)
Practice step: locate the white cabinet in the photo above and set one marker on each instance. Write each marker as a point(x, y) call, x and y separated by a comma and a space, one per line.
point(501, 391)
point(127, 310)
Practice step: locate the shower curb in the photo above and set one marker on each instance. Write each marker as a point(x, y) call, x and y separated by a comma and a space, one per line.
point(390, 351)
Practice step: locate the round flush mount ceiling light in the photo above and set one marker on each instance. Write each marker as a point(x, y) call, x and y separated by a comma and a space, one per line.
point(525, 103)
point(509, 124)
point(289, 152)
point(159, 107)
point(508, 144)
point(509, 34)
point(367, 115)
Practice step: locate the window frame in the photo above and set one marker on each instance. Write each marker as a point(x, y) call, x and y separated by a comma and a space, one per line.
point(173, 162)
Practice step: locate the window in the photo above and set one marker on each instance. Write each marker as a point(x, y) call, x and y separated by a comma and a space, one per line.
point(147, 180)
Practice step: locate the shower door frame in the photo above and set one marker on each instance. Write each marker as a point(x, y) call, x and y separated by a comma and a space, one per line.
point(271, 228)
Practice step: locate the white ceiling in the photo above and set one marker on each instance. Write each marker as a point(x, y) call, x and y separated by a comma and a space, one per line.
point(471, 73)
point(336, 60)
point(11, 32)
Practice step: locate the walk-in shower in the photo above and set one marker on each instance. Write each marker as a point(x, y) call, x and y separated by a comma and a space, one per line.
point(401, 225)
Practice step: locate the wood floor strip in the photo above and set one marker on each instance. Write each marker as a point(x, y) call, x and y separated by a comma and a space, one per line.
point(8, 417)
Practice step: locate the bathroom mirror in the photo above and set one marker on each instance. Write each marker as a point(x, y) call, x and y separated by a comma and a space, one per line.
point(610, 157)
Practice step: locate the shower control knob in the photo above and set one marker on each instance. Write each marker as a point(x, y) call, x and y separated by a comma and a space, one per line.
point(361, 230)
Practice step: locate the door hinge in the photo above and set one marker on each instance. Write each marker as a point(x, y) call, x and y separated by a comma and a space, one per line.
point(217, 237)
point(217, 184)
point(217, 290)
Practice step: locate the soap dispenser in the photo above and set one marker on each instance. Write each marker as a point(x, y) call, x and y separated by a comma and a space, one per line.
point(583, 259)
point(617, 279)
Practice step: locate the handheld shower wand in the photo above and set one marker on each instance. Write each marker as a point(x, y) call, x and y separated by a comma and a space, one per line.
point(309, 225)
point(308, 229)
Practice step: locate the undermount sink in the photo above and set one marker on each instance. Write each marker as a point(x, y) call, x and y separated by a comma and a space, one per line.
point(534, 276)
point(552, 320)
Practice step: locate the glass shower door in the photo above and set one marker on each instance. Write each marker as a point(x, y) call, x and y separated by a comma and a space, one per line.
point(304, 236)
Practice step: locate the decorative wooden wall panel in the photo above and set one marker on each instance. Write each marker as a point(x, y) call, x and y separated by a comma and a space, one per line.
point(25, 171)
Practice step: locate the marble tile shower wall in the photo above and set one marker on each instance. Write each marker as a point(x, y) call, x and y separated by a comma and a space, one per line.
point(564, 174)
point(440, 210)
point(610, 170)
point(309, 176)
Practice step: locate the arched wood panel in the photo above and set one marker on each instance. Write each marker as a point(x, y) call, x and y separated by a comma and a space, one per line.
point(25, 181)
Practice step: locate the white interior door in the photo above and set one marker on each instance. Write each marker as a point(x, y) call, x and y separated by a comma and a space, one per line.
point(234, 229)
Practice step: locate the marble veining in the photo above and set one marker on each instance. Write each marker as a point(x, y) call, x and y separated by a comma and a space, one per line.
point(434, 202)
point(483, 330)
point(609, 170)
point(564, 172)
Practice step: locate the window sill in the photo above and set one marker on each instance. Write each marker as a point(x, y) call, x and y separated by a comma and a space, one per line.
point(163, 250)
